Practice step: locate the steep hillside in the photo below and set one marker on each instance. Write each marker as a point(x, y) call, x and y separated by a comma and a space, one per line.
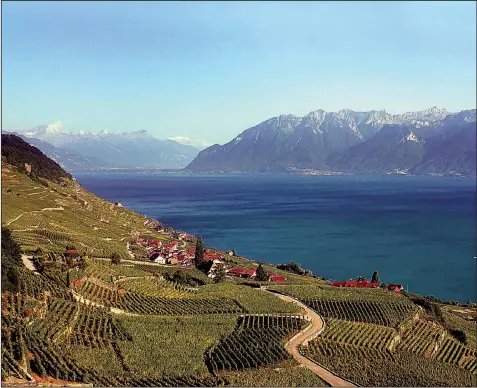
point(394, 147)
point(451, 151)
point(18, 153)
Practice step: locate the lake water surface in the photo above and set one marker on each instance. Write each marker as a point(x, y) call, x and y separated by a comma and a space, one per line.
point(416, 231)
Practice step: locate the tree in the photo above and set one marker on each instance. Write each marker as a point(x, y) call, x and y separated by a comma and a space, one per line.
point(199, 252)
point(115, 258)
point(83, 262)
point(375, 278)
point(260, 274)
point(14, 280)
point(292, 267)
point(219, 273)
point(11, 260)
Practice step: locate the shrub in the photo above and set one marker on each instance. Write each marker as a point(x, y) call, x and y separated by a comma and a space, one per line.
point(115, 258)
point(459, 335)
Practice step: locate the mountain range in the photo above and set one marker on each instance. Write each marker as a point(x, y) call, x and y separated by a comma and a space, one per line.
point(423, 142)
point(86, 150)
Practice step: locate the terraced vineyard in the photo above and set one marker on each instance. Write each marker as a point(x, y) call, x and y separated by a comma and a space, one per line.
point(379, 313)
point(139, 303)
point(73, 323)
point(383, 368)
point(256, 341)
point(453, 352)
point(158, 269)
point(179, 381)
point(35, 285)
point(157, 288)
point(421, 338)
point(368, 336)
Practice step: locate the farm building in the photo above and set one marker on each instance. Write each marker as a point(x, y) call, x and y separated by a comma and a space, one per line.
point(356, 284)
point(212, 256)
point(276, 278)
point(395, 287)
point(338, 284)
point(157, 258)
point(236, 272)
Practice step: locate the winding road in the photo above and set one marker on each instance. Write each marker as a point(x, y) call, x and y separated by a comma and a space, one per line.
point(301, 339)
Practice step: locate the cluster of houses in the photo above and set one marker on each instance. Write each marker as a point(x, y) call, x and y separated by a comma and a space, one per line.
point(167, 253)
point(170, 253)
point(367, 284)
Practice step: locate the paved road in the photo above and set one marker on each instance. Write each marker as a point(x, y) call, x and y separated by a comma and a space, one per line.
point(311, 331)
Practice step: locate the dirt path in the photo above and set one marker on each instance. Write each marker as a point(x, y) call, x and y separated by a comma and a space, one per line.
point(9, 222)
point(142, 262)
point(81, 299)
point(301, 339)
point(28, 263)
point(134, 278)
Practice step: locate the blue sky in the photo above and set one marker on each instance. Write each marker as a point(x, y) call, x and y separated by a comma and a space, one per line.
point(209, 70)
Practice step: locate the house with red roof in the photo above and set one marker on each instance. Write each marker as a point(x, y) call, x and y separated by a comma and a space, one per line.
point(356, 284)
point(172, 245)
point(155, 243)
point(236, 271)
point(338, 284)
point(276, 278)
point(395, 287)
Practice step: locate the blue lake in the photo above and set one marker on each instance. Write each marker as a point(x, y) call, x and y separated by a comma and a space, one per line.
point(417, 231)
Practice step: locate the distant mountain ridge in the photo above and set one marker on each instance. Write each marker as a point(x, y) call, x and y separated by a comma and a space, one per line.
point(66, 158)
point(374, 141)
point(123, 150)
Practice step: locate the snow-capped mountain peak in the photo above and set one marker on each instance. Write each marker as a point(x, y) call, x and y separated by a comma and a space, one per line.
point(196, 143)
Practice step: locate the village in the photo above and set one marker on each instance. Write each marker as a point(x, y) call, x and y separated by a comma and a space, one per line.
point(180, 253)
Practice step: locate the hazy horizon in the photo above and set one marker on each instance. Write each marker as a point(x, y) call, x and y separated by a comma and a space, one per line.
point(209, 70)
